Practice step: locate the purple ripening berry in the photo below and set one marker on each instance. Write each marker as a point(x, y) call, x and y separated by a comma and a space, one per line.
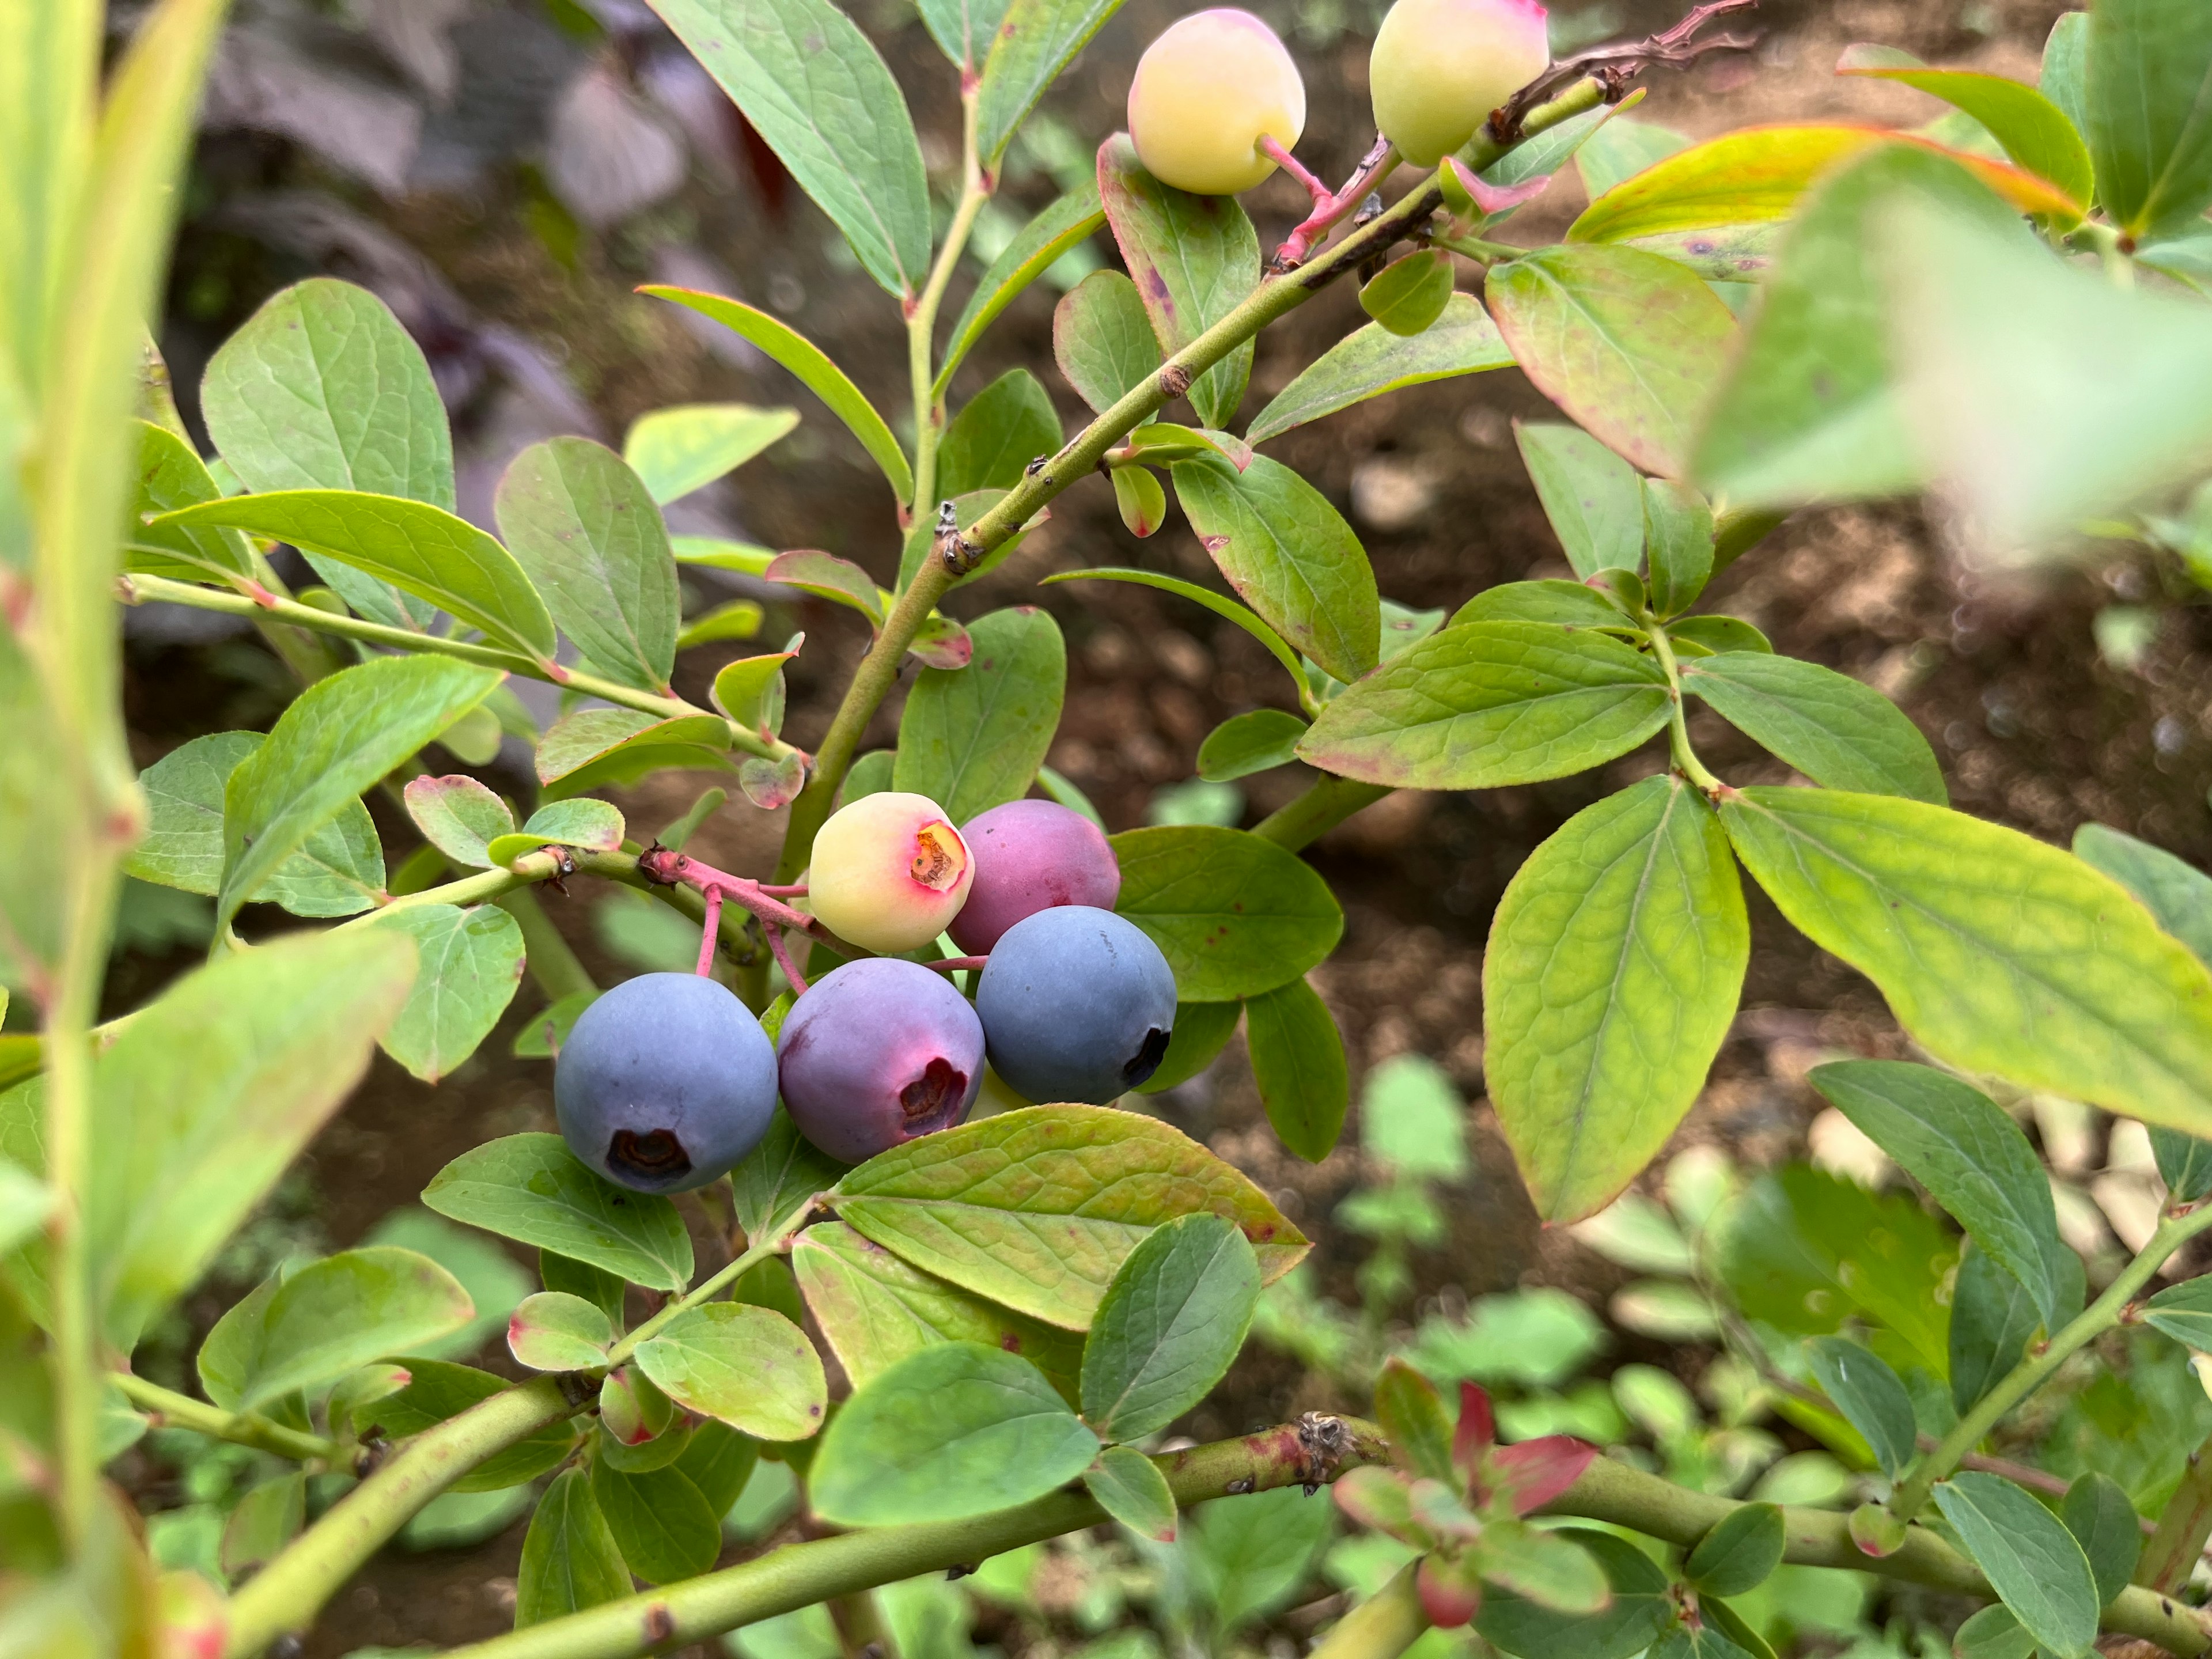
point(664, 1083)
point(1030, 856)
point(877, 1053)
point(1077, 1004)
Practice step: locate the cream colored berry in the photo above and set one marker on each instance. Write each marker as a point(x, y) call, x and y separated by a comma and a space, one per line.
point(1439, 67)
point(1207, 90)
point(889, 872)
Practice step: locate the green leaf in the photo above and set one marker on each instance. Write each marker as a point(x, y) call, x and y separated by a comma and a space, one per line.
point(1551, 600)
point(1102, 339)
point(603, 1290)
point(203, 1099)
point(2178, 895)
point(1371, 360)
point(2029, 1557)
point(557, 1331)
point(1235, 915)
point(2184, 1164)
point(1641, 1609)
point(1412, 1414)
point(26, 1201)
point(1869, 1395)
point(818, 94)
point(720, 1461)
point(2184, 1312)
point(470, 964)
point(1711, 635)
point(1615, 960)
point(457, 815)
point(1244, 744)
point(1993, 1632)
point(1485, 704)
point(1955, 1141)
point(1194, 258)
point(1201, 1030)
point(2148, 92)
point(954, 1431)
point(676, 451)
point(419, 547)
point(605, 748)
point(1810, 411)
point(586, 532)
point(332, 1316)
point(1139, 499)
point(439, 1389)
point(963, 29)
point(2032, 130)
point(1621, 149)
point(1593, 498)
point(972, 739)
point(339, 871)
point(268, 1517)
point(658, 1520)
point(2065, 67)
point(1992, 1317)
point(1678, 533)
point(1998, 954)
point(1409, 294)
point(783, 1172)
point(337, 738)
point(1298, 1065)
point(1130, 1487)
point(578, 822)
point(1226, 608)
point(1169, 1325)
point(1740, 1552)
point(1290, 555)
point(996, 435)
point(1838, 732)
point(1629, 344)
point(1550, 1570)
point(744, 1365)
point(875, 1309)
point(1036, 1208)
point(2104, 1524)
point(1070, 221)
point(1250, 1555)
point(1035, 43)
point(793, 351)
point(531, 1187)
point(570, 1561)
point(171, 475)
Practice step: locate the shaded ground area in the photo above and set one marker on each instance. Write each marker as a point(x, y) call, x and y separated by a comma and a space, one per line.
point(2034, 729)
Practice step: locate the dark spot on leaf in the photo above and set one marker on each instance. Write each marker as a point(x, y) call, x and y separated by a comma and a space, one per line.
point(1010, 1343)
point(1701, 245)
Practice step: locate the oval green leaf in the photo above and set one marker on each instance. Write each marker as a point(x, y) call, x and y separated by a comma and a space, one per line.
point(1594, 499)
point(532, 1189)
point(570, 1561)
point(744, 1366)
point(458, 816)
point(1103, 340)
point(1298, 1065)
point(557, 1330)
point(1169, 1326)
point(1130, 1487)
point(1235, 915)
point(1740, 1553)
point(659, 1521)
point(972, 738)
point(1037, 246)
point(677, 450)
point(2029, 1557)
point(1838, 732)
point(1409, 294)
point(469, 964)
point(996, 435)
point(1036, 41)
point(1870, 1396)
point(1371, 360)
point(332, 1316)
point(1244, 744)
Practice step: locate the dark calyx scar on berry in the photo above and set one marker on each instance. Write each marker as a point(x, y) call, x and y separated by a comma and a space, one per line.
point(666, 1081)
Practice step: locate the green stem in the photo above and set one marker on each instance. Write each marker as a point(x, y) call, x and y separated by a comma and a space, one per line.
point(1677, 729)
point(921, 321)
point(1613, 1491)
point(1328, 801)
point(801, 1575)
point(758, 1251)
point(2100, 1316)
point(138, 589)
point(1275, 297)
point(2177, 1545)
point(1383, 1625)
point(178, 1411)
point(283, 1598)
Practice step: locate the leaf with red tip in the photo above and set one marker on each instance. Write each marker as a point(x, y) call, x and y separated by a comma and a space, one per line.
point(827, 576)
point(1412, 1412)
point(941, 642)
point(1476, 1433)
point(769, 784)
point(1141, 497)
point(1485, 198)
point(1532, 1473)
point(1450, 1594)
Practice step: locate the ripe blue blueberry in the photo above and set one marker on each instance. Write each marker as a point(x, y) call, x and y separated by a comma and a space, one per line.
point(664, 1083)
point(1077, 1004)
point(878, 1051)
point(1031, 855)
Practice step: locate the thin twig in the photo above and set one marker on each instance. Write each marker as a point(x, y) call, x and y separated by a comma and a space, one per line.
point(1615, 67)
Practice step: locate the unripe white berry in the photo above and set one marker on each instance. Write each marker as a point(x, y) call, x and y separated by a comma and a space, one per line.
point(1207, 90)
point(1439, 67)
point(889, 873)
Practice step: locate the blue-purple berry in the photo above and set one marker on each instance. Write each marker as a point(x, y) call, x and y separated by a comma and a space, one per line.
point(1077, 1004)
point(878, 1051)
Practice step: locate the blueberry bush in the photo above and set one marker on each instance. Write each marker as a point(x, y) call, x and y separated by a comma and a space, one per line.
point(2005, 313)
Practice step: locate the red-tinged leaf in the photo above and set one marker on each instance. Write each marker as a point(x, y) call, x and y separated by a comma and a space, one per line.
point(769, 784)
point(1142, 499)
point(1450, 1594)
point(1476, 1433)
point(1532, 1473)
point(1411, 1413)
point(2035, 131)
point(941, 642)
point(1756, 175)
point(1437, 1508)
point(1378, 1498)
point(831, 578)
point(1487, 199)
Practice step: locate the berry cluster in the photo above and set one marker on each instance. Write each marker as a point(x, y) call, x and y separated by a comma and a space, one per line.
point(668, 1080)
